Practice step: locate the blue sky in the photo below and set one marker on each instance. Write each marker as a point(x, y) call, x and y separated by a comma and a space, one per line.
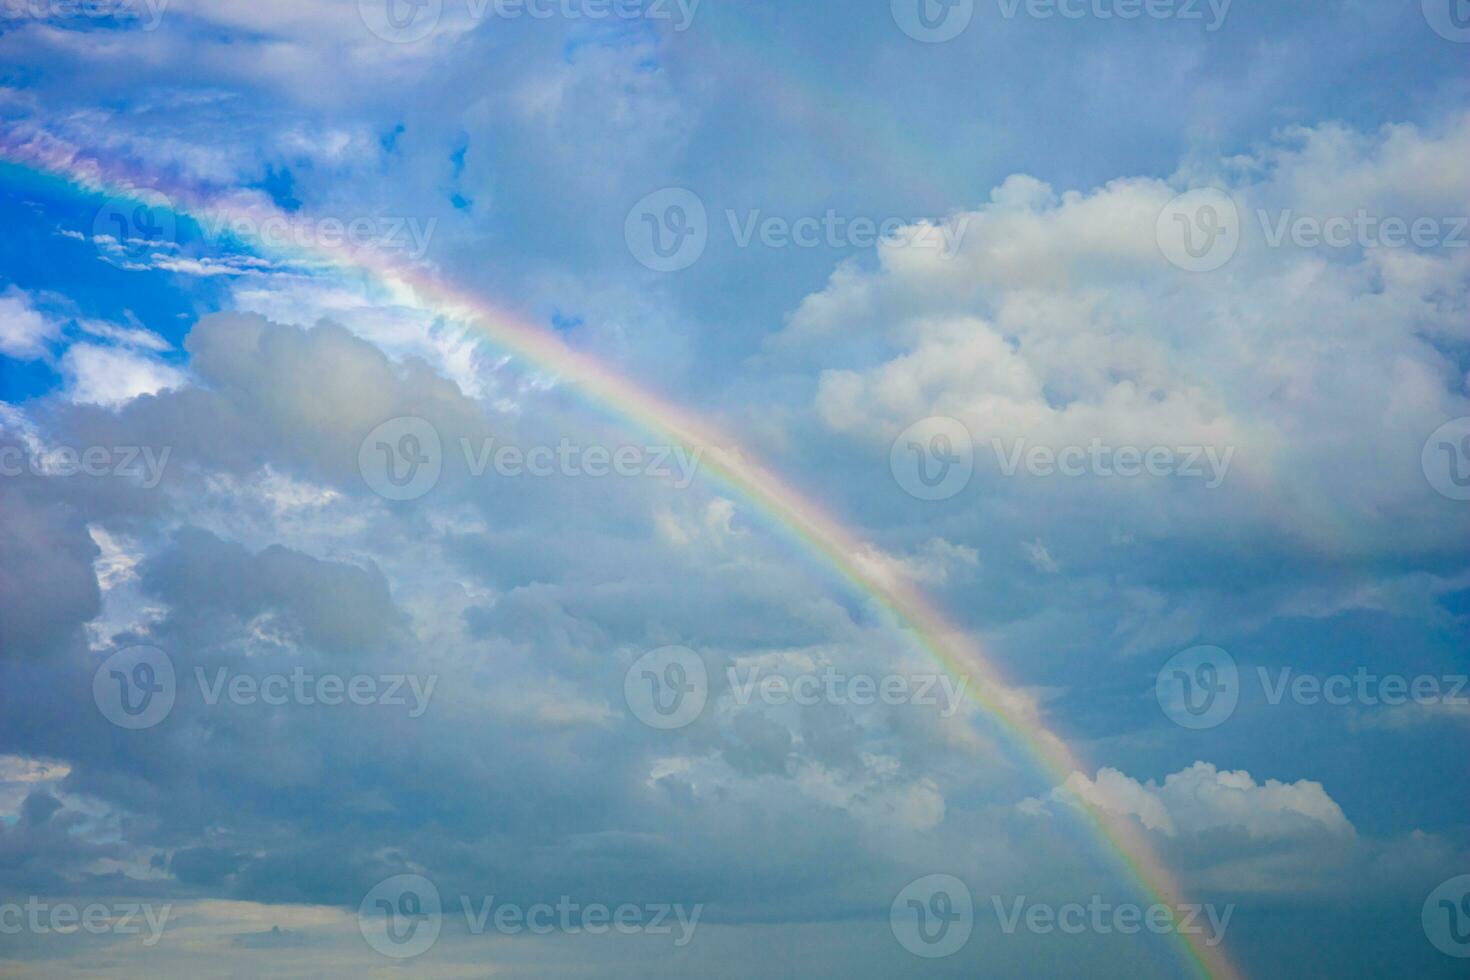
point(1227, 238)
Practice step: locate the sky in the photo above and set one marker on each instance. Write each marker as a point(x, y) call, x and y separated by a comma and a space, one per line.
point(657, 488)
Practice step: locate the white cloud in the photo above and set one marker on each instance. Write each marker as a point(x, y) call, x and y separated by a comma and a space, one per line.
point(110, 376)
point(24, 330)
point(1201, 798)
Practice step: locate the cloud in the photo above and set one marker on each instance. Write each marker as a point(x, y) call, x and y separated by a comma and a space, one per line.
point(25, 332)
point(1201, 798)
point(112, 376)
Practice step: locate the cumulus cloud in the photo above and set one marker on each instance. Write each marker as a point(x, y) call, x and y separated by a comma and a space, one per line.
point(1201, 798)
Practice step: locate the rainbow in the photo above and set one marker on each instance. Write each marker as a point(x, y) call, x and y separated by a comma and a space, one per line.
point(49, 158)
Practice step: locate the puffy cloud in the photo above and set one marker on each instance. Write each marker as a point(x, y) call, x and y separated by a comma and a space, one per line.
point(1201, 798)
point(25, 332)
